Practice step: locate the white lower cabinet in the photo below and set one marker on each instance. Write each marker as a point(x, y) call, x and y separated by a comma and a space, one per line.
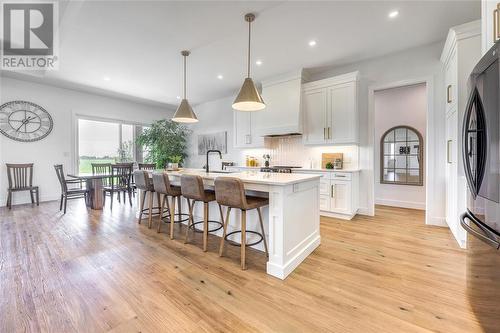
point(338, 193)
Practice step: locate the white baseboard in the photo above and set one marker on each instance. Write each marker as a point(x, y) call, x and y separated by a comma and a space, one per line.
point(401, 204)
point(18, 201)
point(437, 221)
point(366, 211)
point(282, 271)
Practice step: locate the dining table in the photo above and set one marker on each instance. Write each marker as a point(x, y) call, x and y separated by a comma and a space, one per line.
point(94, 185)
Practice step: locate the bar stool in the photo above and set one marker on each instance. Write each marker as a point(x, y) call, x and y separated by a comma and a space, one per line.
point(192, 189)
point(162, 186)
point(145, 184)
point(230, 192)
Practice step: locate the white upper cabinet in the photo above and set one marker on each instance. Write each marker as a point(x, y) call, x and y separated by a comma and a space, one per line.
point(329, 109)
point(245, 135)
point(490, 29)
point(343, 122)
point(314, 122)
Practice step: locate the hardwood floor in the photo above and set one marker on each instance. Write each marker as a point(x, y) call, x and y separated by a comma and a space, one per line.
point(91, 271)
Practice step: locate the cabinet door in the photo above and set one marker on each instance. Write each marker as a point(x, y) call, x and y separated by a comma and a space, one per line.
point(342, 126)
point(488, 28)
point(315, 110)
point(451, 170)
point(242, 129)
point(341, 196)
point(324, 202)
point(451, 82)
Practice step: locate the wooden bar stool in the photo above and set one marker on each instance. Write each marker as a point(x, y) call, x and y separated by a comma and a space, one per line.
point(145, 184)
point(162, 186)
point(193, 190)
point(230, 192)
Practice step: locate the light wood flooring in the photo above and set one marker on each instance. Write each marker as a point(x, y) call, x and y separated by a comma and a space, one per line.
point(92, 271)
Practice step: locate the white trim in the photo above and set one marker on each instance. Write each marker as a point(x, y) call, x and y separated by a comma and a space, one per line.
point(339, 79)
point(282, 271)
point(437, 221)
point(337, 215)
point(429, 133)
point(401, 204)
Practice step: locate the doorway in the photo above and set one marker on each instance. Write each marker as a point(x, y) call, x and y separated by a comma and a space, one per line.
point(400, 128)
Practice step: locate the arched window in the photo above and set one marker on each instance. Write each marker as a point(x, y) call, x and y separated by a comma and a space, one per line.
point(401, 156)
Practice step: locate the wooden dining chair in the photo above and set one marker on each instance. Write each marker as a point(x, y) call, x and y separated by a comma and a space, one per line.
point(20, 178)
point(120, 182)
point(147, 166)
point(102, 169)
point(69, 193)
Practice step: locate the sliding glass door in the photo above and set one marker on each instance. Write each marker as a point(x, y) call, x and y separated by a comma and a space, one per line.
point(107, 142)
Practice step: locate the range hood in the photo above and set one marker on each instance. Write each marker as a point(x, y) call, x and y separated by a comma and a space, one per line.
point(282, 116)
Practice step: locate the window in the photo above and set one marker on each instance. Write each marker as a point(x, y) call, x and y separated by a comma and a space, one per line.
point(107, 142)
point(401, 152)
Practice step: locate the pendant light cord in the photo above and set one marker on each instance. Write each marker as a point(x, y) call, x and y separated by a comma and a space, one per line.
point(249, 36)
point(184, 77)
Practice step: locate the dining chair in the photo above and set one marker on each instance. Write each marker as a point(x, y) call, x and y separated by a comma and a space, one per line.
point(120, 182)
point(69, 193)
point(102, 169)
point(20, 178)
point(147, 166)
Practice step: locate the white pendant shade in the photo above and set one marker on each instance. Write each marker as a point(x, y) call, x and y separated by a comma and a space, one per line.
point(185, 113)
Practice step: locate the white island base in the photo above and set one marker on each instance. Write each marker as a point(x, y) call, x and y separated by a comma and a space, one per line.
point(291, 220)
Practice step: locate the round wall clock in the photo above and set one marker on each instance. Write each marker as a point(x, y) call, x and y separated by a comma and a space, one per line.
point(24, 121)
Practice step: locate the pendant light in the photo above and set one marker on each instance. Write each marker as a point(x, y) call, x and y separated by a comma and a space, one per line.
point(185, 113)
point(248, 98)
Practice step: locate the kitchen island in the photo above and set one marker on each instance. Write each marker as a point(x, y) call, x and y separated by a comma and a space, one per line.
point(291, 220)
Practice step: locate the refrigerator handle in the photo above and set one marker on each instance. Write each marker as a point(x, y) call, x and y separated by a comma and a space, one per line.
point(483, 237)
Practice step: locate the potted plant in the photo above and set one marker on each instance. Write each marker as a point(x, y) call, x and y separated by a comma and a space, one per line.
point(174, 162)
point(164, 140)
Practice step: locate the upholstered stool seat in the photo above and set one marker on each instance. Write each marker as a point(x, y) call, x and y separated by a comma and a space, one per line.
point(230, 192)
point(162, 186)
point(193, 190)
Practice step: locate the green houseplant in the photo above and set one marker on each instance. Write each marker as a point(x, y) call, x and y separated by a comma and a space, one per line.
point(164, 141)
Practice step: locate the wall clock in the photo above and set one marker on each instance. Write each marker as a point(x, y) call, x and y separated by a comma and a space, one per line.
point(24, 121)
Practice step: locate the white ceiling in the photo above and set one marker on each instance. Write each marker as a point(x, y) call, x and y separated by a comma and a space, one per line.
point(137, 44)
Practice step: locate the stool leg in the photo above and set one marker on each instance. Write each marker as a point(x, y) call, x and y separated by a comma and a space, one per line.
point(179, 207)
point(150, 210)
point(224, 231)
point(205, 226)
point(190, 220)
point(243, 239)
point(171, 210)
point(263, 233)
point(143, 198)
point(161, 202)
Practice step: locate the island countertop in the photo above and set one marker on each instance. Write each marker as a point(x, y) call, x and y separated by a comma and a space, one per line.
point(253, 177)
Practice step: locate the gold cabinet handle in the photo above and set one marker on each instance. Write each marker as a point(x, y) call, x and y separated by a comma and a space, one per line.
point(329, 134)
point(324, 133)
point(332, 190)
point(448, 94)
point(448, 151)
point(496, 27)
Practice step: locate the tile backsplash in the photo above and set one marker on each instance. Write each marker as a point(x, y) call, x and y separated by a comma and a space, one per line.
point(290, 150)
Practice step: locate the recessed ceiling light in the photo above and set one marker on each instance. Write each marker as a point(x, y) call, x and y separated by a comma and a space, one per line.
point(393, 14)
point(220, 77)
point(258, 62)
point(178, 97)
point(106, 78)
point(312, 43)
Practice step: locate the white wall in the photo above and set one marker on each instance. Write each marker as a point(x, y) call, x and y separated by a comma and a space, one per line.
point(58, 147)
point(422, 62)
point(394, 107)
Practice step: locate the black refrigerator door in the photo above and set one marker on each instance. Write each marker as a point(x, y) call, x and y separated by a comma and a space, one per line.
point(474, 142)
